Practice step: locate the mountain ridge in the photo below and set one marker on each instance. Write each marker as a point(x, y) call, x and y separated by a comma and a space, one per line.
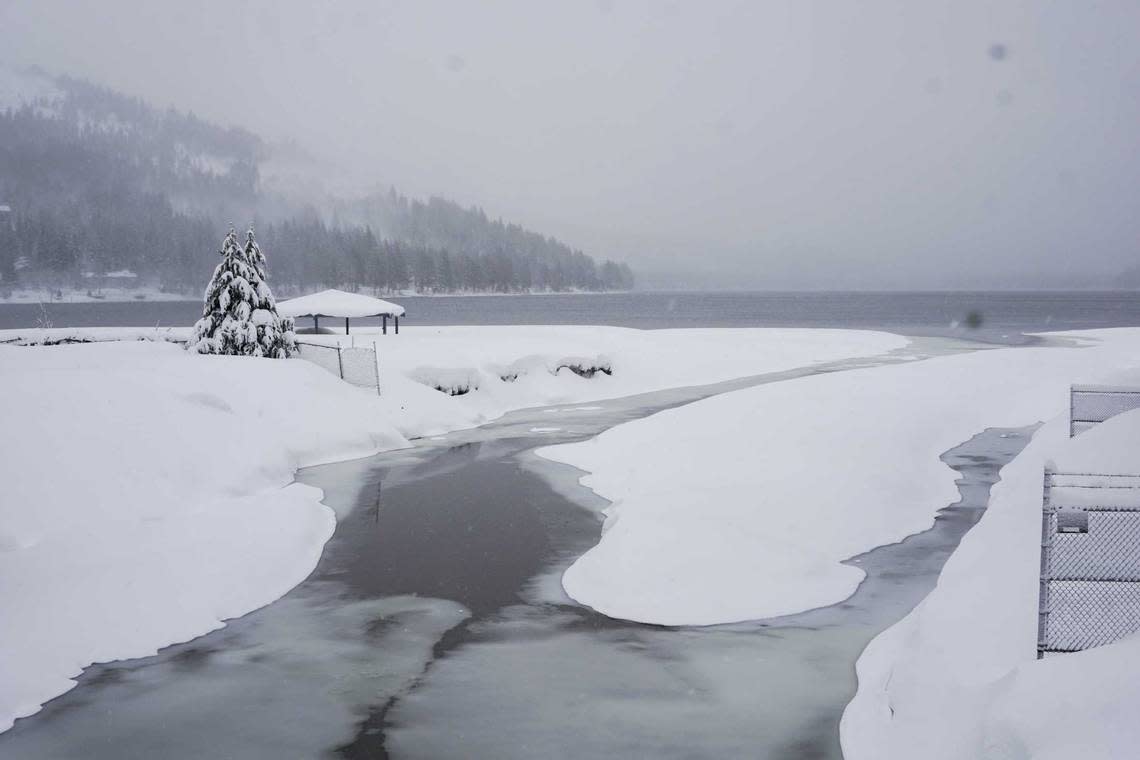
point(99, 181)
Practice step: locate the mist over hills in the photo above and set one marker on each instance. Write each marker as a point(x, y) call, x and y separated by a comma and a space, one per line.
point(97, 182)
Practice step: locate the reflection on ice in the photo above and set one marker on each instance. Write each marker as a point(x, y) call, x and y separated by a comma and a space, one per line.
point(551, 679)
point(538, 684)
point(290, 680)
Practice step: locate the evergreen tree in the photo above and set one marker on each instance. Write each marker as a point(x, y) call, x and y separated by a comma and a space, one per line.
point(240, 314)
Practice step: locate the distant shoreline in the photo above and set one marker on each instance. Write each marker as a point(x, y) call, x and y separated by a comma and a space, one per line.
point(122, 295)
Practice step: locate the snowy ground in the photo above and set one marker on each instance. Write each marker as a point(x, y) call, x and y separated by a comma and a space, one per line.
point(147, 491)
point(958, 678)
point(769, 488)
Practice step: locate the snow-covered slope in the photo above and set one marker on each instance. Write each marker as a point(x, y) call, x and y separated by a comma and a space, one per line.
point(146, 491)
point(957, 678)
point(761, 493)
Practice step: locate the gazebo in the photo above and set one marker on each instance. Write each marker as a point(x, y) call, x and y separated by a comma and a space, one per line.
point(338, 304)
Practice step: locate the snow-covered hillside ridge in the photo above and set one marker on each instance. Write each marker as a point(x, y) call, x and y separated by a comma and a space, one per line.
point(767, 490)
point(148, 491)
point(957, 678)
point(20, 87)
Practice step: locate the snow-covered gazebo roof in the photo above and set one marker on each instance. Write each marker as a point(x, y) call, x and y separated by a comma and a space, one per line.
point(337, 303)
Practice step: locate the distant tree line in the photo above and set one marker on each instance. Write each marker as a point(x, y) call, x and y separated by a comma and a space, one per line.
point(98, 182)
point(310, 253)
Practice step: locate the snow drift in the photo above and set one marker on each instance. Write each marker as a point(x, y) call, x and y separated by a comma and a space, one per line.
point(147, 490)
point(958, 678)
point(744, 505)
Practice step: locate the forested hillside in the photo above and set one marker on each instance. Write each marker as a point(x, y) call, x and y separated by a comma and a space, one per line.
point(96, 182)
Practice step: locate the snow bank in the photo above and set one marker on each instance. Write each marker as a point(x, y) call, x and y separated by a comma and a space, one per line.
point(958, 678)
point(959, 672)
point(638, 361)
point(51, 336)
point(1077, 706)
point(146, 490)
point(147, 498)
point(743, 506)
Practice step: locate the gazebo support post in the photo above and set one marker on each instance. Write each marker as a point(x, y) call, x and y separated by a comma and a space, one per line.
point(346, 325)
point(316, 323)
point(397, 325)
point(384, 324)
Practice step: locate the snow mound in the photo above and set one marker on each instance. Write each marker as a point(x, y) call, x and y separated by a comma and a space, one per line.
point(768, 490)
point(958, 677)
point(148, 492)
point(453, 382)
point(147, 496)
point(584, 366)
point(54, 336)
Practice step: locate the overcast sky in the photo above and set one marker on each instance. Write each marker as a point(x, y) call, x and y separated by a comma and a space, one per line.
point(746, 144)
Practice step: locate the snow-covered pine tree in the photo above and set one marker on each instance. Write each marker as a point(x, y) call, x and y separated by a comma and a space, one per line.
point(240, 314)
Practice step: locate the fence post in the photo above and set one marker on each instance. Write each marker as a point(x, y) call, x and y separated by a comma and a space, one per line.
point(376, 354)
point(1072, 423)
point(1046, 565)
point(340, 361)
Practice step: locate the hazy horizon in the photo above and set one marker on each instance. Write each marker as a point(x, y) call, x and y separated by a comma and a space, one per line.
point(748, 146)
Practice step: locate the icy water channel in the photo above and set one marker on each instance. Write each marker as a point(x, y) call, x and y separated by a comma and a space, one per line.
point(435, 626)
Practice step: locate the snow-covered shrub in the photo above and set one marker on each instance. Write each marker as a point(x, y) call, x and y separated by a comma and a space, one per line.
point(453, 382)
point(510, 373)
point(583, 367)
point(240, 314)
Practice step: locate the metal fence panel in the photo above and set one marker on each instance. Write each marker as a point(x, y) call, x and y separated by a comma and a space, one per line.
point(1090, 561)
point(327, 357)
point(359, 367)
point(1090, 405)
point(353, 364)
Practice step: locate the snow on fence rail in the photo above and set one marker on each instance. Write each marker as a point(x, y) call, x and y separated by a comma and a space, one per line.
point(1090, 405)
point(1090, 561)
point(358, 365)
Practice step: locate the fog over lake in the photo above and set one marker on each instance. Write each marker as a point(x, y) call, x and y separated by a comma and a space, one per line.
point(721, 144)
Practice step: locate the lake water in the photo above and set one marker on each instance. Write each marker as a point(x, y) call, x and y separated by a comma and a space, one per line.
point(1004, 315)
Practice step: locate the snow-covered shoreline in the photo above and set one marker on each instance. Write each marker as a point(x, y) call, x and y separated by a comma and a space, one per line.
point(141, 479)
point(957, 678)
point(777, 484)
point(49, 296)
point(760, 503)
point(154, 475)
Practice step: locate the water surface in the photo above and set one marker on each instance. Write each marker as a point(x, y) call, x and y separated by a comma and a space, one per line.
point(1004, 315)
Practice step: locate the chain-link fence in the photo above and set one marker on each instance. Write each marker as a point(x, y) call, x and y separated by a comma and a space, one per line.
point(1090, 561)
point(1090, 405)
point(358, 365)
